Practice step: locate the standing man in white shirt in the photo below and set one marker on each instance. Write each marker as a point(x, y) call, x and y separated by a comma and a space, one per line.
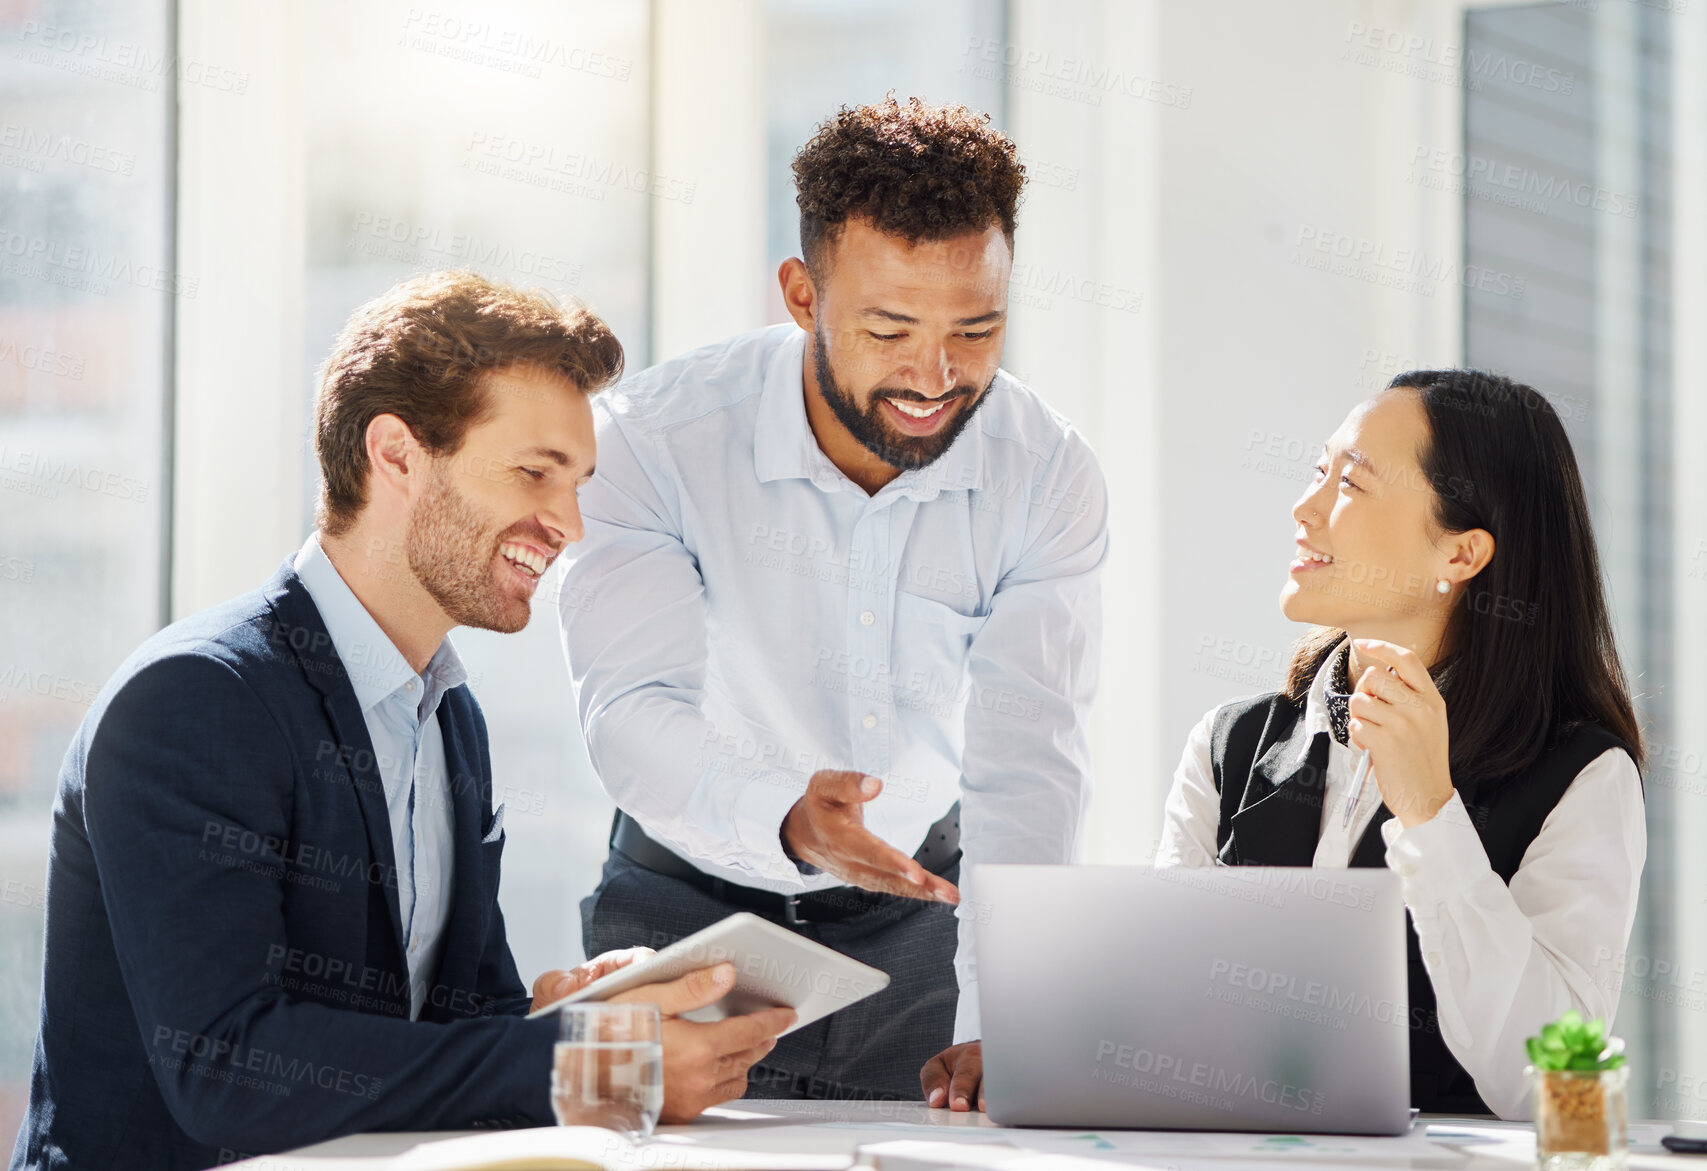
point(834, 624)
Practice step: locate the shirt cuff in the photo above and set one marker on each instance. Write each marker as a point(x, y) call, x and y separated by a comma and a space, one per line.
point(800, 863)
point(1439, 859)
point(966, 1025)
point(758, 813)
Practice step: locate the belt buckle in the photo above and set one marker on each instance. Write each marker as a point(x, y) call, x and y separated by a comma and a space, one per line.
point(791, 911)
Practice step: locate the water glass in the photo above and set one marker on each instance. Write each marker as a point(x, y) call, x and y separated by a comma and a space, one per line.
point(608, 1067)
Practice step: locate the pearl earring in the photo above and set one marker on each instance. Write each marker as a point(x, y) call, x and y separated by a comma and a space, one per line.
point(1443, 586)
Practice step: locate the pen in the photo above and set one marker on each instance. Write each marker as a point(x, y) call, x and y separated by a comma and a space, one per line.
point(1357, 782)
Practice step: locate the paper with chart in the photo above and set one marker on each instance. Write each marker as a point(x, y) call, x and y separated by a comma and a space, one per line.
point(1257, 1149)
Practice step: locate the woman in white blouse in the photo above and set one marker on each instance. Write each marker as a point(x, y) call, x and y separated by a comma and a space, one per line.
point(1446, 561)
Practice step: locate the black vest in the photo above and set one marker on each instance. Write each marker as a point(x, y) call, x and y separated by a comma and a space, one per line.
point(1271, 815)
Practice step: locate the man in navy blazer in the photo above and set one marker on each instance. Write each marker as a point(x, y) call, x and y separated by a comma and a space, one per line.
point(272, 895)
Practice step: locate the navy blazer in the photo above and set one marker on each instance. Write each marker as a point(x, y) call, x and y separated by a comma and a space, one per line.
point(225, 971)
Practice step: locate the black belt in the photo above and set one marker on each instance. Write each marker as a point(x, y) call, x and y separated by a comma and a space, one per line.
point(940, 851)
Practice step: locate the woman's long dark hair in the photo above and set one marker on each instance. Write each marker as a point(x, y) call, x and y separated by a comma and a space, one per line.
point(1528, 651)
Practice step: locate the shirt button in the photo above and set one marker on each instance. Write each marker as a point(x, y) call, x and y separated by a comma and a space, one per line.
point(1432, 959)
point(867, 618)
point(870, 721)
point(415, 943)
point(409, 686)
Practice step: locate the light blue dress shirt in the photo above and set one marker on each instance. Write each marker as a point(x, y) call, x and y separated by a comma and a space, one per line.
point(740, 614)
point(399, 708)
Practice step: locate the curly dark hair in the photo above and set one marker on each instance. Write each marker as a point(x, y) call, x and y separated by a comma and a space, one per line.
point(915, 171)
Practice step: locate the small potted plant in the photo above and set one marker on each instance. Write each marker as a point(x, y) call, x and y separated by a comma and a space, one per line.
point(1579, 1077)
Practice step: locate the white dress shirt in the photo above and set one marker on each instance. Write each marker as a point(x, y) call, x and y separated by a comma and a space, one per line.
point(740, 615)
point(399, 708)
point(1503, 960)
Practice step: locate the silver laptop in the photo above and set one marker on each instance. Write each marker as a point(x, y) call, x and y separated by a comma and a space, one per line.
point(1234, 998)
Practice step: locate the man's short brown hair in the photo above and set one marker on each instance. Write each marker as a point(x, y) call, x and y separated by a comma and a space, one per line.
point(915, 171)
point(421, 351)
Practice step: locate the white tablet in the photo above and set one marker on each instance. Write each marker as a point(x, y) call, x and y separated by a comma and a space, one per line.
point(773, 966)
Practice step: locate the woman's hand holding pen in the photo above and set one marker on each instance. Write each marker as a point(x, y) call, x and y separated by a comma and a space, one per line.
point(1399, 718)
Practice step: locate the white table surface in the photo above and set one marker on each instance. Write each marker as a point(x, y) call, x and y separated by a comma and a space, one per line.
point(820, 1128)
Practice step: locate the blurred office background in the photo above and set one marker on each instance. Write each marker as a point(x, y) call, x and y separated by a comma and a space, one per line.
point(1243, 218)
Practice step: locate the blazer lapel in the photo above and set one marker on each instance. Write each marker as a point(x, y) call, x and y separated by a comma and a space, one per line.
point(300, 627)
point(1280, 817)
point(474, 890)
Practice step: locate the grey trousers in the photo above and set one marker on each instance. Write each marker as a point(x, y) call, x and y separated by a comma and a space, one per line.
point(872, 1049)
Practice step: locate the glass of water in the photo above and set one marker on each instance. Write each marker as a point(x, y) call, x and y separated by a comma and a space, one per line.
point(608, 1067)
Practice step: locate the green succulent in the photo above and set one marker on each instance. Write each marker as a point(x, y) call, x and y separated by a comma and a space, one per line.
point(1570, 1043)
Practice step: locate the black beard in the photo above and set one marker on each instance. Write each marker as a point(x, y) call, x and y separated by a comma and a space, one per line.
point(875, 433)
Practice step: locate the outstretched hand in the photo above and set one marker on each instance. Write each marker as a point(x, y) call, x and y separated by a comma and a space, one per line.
point(826, 828)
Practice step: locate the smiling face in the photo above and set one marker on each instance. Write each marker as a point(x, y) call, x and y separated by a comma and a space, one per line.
point(907, 339)
point(493, 516)
point(1369, 551)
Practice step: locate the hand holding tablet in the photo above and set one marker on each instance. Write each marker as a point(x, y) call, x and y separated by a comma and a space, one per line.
point(773, 967)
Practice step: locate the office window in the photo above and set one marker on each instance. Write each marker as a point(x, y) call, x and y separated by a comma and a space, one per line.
point(825, 54)
point(1567, 188)
point(511, 141)
point(87, 287)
